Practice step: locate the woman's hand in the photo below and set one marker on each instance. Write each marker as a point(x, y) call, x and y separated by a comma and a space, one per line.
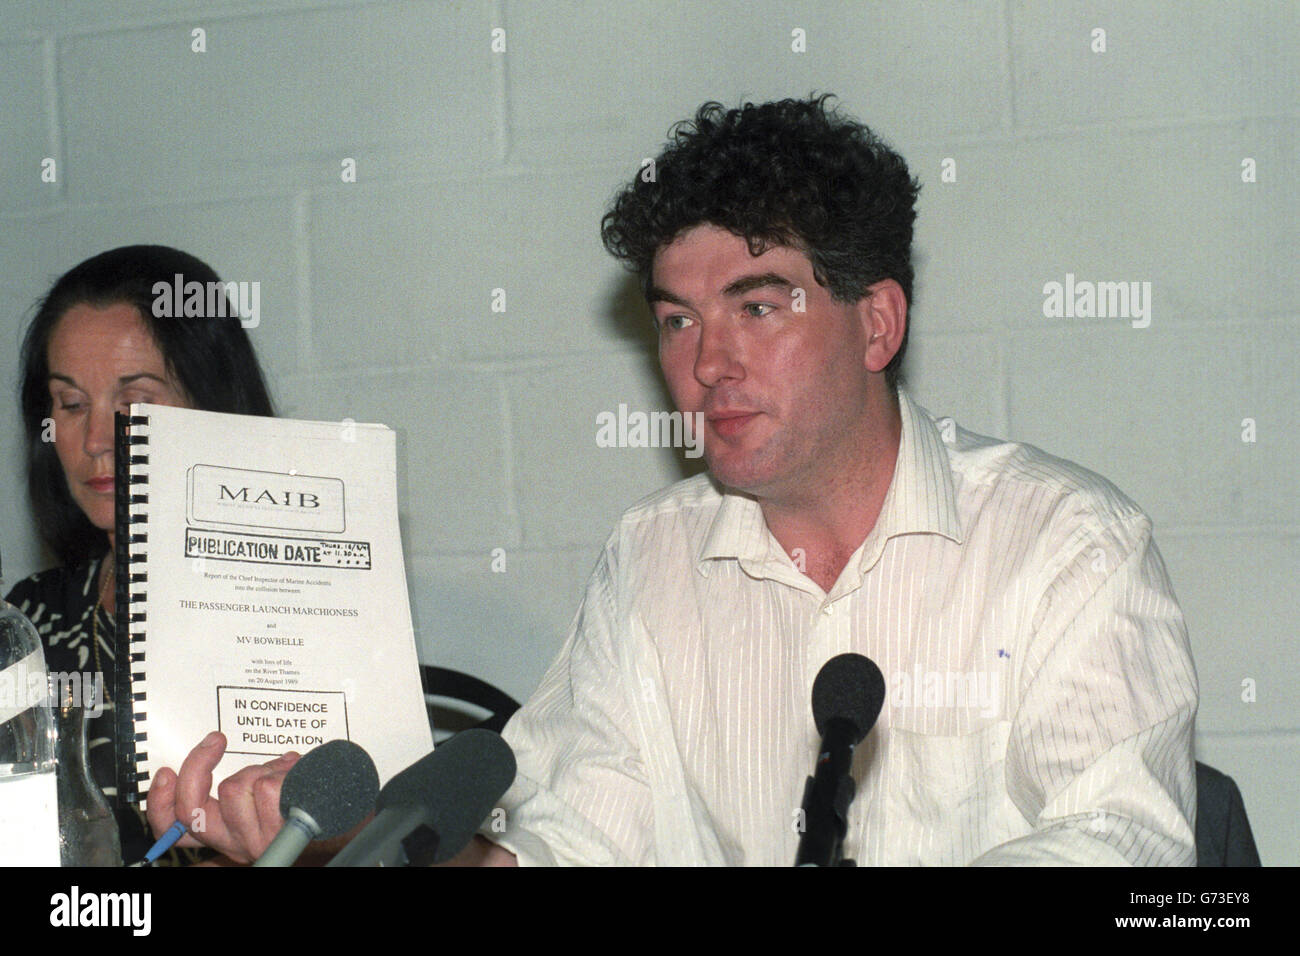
point(240, 821)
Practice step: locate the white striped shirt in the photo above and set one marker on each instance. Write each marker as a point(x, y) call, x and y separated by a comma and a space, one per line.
point(1040, 688)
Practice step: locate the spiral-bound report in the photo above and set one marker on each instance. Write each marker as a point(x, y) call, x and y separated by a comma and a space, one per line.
point(260, 592)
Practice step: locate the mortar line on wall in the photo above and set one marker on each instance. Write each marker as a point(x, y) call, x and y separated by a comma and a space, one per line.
point(510, 492)
point(500, 79)
point(1008, 68)
point(302, 267)
point(54, 120)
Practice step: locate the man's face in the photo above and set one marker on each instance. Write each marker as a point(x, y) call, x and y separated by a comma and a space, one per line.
point(774, 364)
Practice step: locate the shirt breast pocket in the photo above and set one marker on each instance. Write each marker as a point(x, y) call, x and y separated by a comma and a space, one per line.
point(945, 795)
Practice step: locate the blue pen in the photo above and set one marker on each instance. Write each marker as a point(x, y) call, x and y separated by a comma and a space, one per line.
point(165, 843)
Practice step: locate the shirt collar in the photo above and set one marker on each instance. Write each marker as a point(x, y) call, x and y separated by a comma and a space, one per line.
point(921, 499)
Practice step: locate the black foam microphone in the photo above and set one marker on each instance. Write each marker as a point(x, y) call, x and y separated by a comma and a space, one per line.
point(846, 698)
point(325, 794)
point(433, 808)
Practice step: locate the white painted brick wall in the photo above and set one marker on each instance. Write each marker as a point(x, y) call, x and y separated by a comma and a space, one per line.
point(480, 170)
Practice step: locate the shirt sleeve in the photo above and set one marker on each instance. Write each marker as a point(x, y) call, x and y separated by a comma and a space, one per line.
point(1099, 758)
point(581, 794)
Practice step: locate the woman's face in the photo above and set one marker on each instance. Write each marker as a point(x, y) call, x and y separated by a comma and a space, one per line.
point(101, 360)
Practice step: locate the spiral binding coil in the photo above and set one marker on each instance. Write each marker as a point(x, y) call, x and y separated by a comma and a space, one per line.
point(130, 473)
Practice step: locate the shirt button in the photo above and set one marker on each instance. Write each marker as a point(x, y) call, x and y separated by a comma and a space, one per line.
point(827, 609)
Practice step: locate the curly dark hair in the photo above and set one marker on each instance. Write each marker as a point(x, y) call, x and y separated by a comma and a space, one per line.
point(790, 173)
point(211, 357)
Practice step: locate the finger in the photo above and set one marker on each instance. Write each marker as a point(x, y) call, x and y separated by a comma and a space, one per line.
point(250, 806)
point(266, 793)
point(266, 808)
point(195, 806)
point(161, 808)
point(160, 803)
point(237, 816)
point(260, 819)
point(194, 784)
point(283, 762)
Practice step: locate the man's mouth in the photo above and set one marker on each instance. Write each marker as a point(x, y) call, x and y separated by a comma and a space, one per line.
point(103, 484)
point(727, 424)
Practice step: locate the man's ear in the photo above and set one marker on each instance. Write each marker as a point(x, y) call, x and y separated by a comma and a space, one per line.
point(883, 312)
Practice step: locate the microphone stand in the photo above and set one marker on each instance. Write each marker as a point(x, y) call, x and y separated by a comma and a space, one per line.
point(421, 846)
point(827, 796)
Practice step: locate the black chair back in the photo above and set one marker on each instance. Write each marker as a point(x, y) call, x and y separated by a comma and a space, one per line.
point(458, 701)
point(1223, 836)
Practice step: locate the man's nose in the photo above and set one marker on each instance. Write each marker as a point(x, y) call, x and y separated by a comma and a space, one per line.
point(718, 357)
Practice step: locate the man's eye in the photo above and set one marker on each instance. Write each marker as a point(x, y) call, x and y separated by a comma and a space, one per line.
point(758, 309)
point(674, 323)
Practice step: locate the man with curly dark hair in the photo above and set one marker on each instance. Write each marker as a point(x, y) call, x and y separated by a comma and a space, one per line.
point(1040, 689)
point(781, 174)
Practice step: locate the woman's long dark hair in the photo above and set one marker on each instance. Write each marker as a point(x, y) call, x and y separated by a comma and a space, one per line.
point(210, 357)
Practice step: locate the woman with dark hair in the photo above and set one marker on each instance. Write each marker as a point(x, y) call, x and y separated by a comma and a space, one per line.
point(94, 346)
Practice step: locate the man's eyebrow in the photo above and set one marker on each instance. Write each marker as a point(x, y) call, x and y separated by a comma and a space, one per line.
point(734, 288)
point(750, 283)
point(655, 294)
